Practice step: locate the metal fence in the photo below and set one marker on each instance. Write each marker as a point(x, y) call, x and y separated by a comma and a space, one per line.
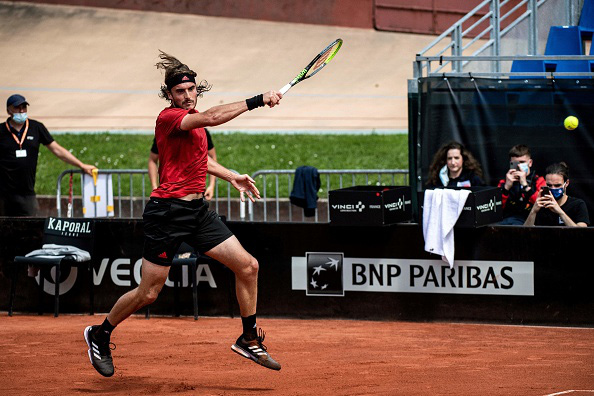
point(277, 202)
point(481, 33)
point(130, 180)
point(275, 187)
point(424, 64)
point(132, 191)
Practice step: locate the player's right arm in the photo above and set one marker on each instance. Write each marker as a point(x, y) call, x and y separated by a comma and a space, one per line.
point(221, 114)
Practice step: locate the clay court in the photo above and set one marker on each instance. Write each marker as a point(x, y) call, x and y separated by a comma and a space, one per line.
point(165, 355)
point(46, 355)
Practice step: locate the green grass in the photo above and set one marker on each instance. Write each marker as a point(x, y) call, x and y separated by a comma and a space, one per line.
point(245, 153)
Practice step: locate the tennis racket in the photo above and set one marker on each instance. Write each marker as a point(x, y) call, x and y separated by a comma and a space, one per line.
point(315, 65)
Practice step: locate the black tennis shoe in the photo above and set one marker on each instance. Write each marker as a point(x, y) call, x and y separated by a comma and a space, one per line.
point(255, 350)
point(99, 353)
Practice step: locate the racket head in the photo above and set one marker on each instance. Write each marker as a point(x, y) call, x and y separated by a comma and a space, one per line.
point(322, 59)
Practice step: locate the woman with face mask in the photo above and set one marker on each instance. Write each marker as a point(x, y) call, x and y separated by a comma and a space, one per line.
point(553, 206)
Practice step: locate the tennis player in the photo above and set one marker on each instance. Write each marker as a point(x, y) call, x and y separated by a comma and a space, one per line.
point(177, 212)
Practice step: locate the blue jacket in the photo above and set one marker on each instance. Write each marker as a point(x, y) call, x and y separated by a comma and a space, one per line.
point(305, 189)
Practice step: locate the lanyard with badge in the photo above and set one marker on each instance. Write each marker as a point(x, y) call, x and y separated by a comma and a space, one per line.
point(20, 153)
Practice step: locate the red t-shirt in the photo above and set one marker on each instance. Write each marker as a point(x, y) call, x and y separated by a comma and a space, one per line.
point(183, 159)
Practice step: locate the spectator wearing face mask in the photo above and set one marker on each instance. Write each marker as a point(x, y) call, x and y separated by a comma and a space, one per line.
point(20, 138)
point(520, 187)
point(553, 206)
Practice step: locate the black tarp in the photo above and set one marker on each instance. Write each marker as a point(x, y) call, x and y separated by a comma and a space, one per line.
point(562, 278)
point(489, 116)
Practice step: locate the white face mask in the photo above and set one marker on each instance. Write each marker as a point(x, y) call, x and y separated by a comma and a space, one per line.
point(443, 176)
point(524, 167)
point(19, 118)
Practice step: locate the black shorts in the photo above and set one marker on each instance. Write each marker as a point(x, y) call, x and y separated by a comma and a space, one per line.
point(168, 222)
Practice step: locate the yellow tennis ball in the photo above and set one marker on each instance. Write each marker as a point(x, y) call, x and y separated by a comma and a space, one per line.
point(571, 123)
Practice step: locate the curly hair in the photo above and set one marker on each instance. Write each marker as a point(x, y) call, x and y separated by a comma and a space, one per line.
point(174, 67)
point(440, 159)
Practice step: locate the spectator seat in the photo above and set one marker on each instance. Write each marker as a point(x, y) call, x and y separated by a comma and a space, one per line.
point(58, 231)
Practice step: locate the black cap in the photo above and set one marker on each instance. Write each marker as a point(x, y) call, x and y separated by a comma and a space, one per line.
point(16, 100)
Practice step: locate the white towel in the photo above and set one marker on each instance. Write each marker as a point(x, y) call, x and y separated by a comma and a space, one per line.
point(51, 251)
point(441, 209)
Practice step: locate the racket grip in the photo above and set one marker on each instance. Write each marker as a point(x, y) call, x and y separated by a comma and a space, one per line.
point(284, 89)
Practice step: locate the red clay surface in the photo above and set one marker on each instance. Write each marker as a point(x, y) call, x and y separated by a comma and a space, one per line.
point(46, 355)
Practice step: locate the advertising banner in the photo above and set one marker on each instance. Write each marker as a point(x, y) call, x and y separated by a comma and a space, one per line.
point(332, 274)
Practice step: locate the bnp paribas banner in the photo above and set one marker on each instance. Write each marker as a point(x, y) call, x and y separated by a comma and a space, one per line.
point(331, 274)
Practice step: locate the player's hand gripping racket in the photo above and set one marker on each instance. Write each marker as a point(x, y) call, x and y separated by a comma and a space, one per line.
point(315, 65)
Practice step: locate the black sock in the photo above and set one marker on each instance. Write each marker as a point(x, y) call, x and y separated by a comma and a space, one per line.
point(250, 331)
point(103, 333)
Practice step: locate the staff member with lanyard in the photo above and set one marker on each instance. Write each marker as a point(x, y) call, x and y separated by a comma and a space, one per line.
point(20, 138)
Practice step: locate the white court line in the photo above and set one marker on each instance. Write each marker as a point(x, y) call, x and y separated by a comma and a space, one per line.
point(569, 391)
point(589, 328)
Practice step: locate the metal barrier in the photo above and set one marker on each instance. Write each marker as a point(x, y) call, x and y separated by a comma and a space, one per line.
point(424, 63)
point(380, 177)
point(139, 198)
point(229, 204)
point(458, 40)
point(119, 173)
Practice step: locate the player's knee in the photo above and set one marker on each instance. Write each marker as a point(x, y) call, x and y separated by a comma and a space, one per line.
point(149, 296)
point(250, 270)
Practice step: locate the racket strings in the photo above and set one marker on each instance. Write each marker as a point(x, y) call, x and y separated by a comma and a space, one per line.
point(324, 58)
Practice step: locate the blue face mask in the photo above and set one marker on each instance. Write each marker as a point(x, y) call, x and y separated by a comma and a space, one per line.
point(19, 118)
point(557, 192)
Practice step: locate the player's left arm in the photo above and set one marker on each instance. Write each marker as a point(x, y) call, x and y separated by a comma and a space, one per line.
point(69, 158)
point(221, 114)
point(209, 193)
point(242, 183)
point(153, 169)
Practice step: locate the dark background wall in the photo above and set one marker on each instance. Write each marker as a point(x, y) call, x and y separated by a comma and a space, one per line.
point(562, 273)
point(490, 116)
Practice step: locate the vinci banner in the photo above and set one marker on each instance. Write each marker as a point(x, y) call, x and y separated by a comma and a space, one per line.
point(331, 274)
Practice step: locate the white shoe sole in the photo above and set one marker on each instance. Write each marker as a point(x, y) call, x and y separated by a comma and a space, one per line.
point(86, 333)
point(240, 351)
